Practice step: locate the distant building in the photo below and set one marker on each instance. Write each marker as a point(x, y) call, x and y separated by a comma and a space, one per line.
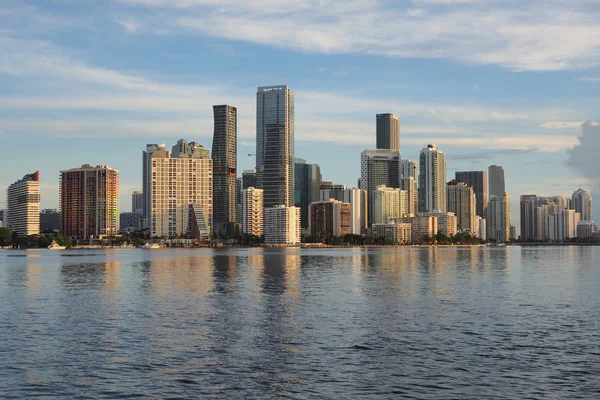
point(388, 131)
point(408, 181)
point(421, 226)
point(397, 233)
point(586, 229)
point(496, 181)
point(89, 201)
point(499, 218)
point(389, 203)
point(4, 217)
point(446, 222)
point(323, 185)
point(463, 203)
point(378, 167)
point(282, 225)
point(479, 181)
point(253, 211)
point(249, 179)
point(328, 219)
point(23, 201)
point(482, 234)
point(513, 232)
point(581, 202)
point(224, 158)
point(137, 202)
point(306, 187)
point(130, 221)
point(178, 190)
point(275, 144)
point(432, 180)
point(49, 220)
point(358, 205)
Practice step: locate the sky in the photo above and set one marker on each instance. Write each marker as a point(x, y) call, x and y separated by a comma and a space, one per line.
point(508, 82)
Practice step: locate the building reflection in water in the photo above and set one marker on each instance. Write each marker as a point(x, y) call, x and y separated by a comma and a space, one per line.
point(170, 274)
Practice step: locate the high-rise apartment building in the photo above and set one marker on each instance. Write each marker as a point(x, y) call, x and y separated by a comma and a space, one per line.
point(479, 181)
point(432, 180)
point(248, 178)
point(307, 181)
point(496, 181)
point(178, 191)
point(328, 219)
point(378, 167)
point(408, 181)
point(137, 202)
point(581, 201)
point(499, 218)
point(252, 211)
point(49, 220)
point(89, 202)
point(282, 225)
point(275, 144)
point(462, 202)
point(224, 157)
point(388, 131)
point(23, 201)
point(358, 205)
point(389, 204)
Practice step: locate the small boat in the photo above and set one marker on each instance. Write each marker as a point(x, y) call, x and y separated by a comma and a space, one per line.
point(56, 246)
point(152, 246)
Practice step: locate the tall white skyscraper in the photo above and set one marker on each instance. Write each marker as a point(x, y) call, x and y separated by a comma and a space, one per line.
point(275, 144)
point(432, 180)
point(581, 202)
point(252, 211)
point(178, 190)
point(498, 224)
point(23, 200)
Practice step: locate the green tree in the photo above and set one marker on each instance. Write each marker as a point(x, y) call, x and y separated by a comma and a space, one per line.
point(6, 235)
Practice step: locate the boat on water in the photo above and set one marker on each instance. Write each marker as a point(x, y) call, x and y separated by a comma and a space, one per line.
point(152, 246)
point(56, 246)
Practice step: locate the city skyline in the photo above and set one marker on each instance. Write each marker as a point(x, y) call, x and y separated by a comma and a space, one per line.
point(494, 105)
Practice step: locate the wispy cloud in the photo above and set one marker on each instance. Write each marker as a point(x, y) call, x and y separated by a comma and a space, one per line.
point(528, 35)
point(561, 125)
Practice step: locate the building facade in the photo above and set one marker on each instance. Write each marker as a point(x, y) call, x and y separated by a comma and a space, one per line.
point(432, 180)
point(178, 191)
point(499, 218)
point(497, 186)
point(248, 178)
point(275, 144)
point(49, 220)
point(23, 202)
point(329, 219)
point(446, 222)
point(224, 158)
point(137, 202)
point(282, 225)
point(358, 205)
point(479, 181)
point(586, 229)
point(387, 131)
point(130, 221)
point(463, 203)
point(396, 233)
point(408, 181)
point(378, 167)
point(253, 211)
point(389, 203)
point(421, 226)
point(89, 202)
point(307, 181)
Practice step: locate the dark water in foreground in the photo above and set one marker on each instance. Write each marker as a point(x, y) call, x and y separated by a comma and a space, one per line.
point(380, 323)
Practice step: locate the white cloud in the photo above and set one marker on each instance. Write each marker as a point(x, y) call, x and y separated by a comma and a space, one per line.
point(560, 125)
point(528, 35)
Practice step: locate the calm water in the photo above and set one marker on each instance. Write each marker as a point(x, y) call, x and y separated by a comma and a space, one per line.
point(380, 323)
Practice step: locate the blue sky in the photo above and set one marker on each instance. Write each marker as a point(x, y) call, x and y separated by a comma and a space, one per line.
point(491, 82)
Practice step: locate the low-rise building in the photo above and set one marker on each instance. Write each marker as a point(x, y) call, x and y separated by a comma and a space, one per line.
point(397, 233)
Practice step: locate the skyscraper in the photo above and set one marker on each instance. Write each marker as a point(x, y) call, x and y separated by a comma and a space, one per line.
point(388, 131)
point(499, 218)
point(432, 180)
point(89, 201)
point(408, 182)
point(178, 190)
point(137, 202)
point(389, 203)
point(307, 181)
point(248, 178)
point(358, 205)
point(275, 144)
point(581, 202)
point(147, 179)
point(461, 202)
point(496, 177)
point(378, 167)
point(23, 201)
point(479, 181)
point(224, 157)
